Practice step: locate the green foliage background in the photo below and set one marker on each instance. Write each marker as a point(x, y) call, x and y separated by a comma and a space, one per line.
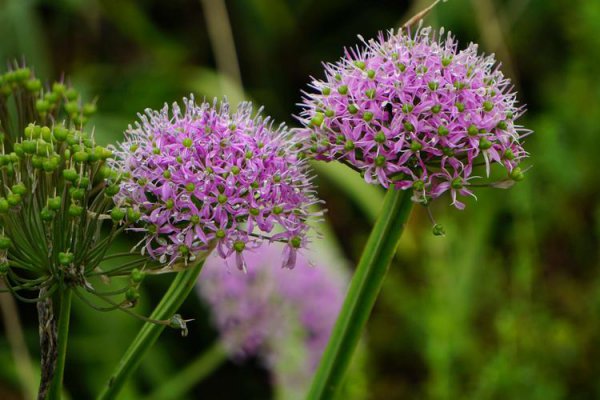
point(506, 306)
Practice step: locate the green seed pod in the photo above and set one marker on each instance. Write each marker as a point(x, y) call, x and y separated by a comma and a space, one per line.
point(13, 199)
point(19, 189)
point(29, 146)
point(75, 210)
point(65, 258)
point(111, 190)
point(81, 156)
point(55, 203)
point(84, 182)
point(132, 295)
point(117, 214)
point(33, 85)
point(52, 98)
point(38, 161)
point(70, 175)
point(18, 147)
point(77, 194)
point(42, 106)
point(133, 215)
point(60, 133)
point(137, 276)
point(46, 214)
point(58, 87)
point(72, 107)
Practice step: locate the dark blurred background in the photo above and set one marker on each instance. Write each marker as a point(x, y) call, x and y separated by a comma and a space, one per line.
point(505, 306)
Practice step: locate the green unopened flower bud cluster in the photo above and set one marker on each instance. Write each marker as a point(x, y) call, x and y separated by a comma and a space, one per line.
point(56, 188)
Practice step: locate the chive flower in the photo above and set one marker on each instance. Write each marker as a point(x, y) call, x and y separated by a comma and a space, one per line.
point(413, 112)
point(282, 317)
point(208, 176)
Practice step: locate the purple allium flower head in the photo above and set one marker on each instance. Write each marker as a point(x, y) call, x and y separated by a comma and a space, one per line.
point(413, 112)
point(208, 176)
point(261, 313)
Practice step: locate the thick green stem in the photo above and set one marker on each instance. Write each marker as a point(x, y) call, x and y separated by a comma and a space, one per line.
point(182, 285)
point(62, 337)
point(181, 383)
point(362, 293)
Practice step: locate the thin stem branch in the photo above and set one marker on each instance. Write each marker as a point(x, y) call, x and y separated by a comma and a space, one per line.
point(181, 286)
point(362, 293)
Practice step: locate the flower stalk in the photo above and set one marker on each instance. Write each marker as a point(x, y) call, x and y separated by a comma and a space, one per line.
point(182, 285)
point(62, 336)
point(362, 293)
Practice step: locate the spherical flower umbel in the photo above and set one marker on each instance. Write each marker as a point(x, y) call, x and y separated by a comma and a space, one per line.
point(207, 176)
point(413, 112)
point(282, 317)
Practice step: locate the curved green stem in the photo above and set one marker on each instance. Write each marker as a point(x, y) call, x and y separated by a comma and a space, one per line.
point(182, 285)
point(177, 386)
point(362, 293)
point(62, 337)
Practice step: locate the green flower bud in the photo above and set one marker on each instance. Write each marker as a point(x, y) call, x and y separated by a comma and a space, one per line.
point(343, 89)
